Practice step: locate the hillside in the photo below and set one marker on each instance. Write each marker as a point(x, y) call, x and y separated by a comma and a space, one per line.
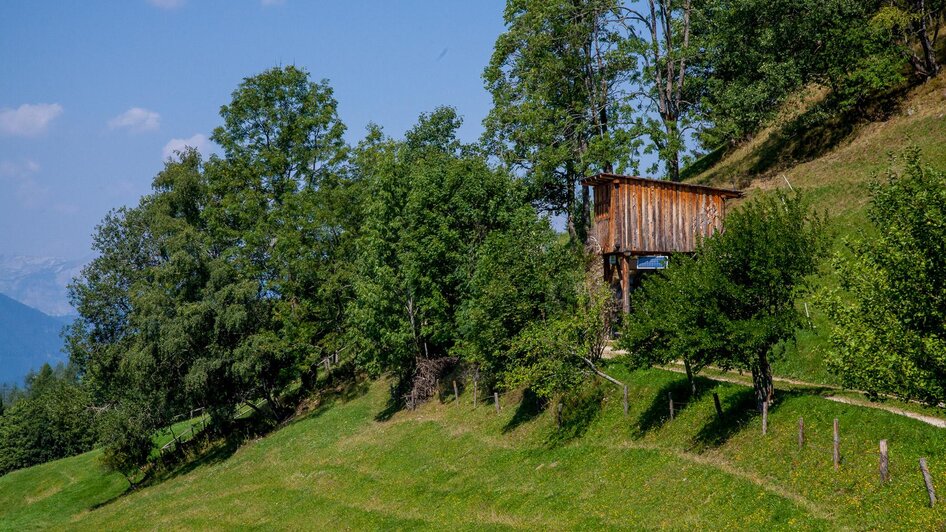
point(446, 463)
point(833, 161)
point(28, 339)
point(40, 282)
point(353, 463)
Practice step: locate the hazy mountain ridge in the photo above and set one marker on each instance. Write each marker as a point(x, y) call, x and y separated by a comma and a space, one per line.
point(40, 282)
point(28, 338)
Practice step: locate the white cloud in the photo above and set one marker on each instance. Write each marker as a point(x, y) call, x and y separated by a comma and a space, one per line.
point(198, 142)
point(167, 4)
point(28, 120)
point(136, 119)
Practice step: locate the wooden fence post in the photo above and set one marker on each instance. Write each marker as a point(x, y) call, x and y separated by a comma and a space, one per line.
point(884, 462)
point(413, 399)
point(929, 482)
point(837, 445)
point(496, 400)
point(719, 408)
point(625, 400)
point(765, 417)
point(558, 417)
point(475, 386)
point(801, 433)
point(670, 397)
point(456, 394)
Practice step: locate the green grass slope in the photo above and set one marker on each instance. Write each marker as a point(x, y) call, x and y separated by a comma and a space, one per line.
point(447, 465)
point(50, 495)
point(833, 161)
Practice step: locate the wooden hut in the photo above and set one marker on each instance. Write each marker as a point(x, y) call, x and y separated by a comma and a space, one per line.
point(638, 222)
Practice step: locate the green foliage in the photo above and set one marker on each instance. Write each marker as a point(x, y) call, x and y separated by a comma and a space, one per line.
point(523, 276)
point(765, 258)
point(733, 303)
point(52, 420)
point(889, 313)
point(432, 203)
point(555, 77)
point(748, 73)
point(675, 317)
point(227, 282)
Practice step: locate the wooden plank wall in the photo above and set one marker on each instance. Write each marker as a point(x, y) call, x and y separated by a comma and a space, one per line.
point(655, 217)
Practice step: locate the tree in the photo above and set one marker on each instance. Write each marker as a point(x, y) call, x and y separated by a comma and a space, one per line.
point(558, 80)
point(733, 303)
point(746, 75)
point(52, 420)
point(765, 258)
point(222, 285)
point(524, 277)
point(659, 41)
point(889, 313)
point(286, 216)
point(555, 354)
point(915, 24)
point(432, 203)
point(675, 316)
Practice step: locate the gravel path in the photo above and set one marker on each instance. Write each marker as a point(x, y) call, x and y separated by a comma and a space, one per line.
point(735, 378)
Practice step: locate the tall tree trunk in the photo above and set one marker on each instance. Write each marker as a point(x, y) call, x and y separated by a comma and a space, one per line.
point(572, 181)
point(926, 66)
point(585, 229)
point(690, 377)
point(673, 149)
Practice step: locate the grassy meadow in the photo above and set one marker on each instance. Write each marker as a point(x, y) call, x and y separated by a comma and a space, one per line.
point(352, 463)
point(832, 161)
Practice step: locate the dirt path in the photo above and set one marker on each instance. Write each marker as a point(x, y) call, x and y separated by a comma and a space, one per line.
point(742, 381)
point(735, 378)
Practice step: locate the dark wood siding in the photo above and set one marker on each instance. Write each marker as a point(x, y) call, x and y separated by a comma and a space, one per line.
point(641, 216)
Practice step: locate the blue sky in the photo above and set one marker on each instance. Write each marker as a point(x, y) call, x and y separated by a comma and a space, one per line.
point(93, 94)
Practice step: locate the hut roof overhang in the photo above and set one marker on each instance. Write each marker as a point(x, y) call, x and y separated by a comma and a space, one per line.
point(606, 178)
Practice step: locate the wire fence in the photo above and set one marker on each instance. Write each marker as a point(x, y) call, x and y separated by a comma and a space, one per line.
point(810, 440)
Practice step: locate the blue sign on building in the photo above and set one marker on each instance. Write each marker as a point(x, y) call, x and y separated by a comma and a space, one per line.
point(651, 262)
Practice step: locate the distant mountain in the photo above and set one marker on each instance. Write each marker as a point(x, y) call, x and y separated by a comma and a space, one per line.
point(28, 338)
point(39, 282)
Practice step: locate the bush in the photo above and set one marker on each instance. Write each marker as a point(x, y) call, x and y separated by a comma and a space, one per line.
point(53, 420)
point(889, 314)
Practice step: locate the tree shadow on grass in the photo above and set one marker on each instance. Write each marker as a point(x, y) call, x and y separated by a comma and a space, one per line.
point(578, 412)
point(658, 412)
point(738, 410)
point(530, 407)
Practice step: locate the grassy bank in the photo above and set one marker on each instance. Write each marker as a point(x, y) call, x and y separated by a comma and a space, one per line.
point(832, 161)
point(447, 465)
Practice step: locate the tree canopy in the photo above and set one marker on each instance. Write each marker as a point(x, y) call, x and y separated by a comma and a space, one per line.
point(889, 312)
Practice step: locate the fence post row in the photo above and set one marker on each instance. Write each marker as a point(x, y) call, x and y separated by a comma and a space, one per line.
point(496, 400)
point(765, 417)
point(456, 394)
point(670, 397)
point(719, 408)
point(837, 445)
point(625, 400)
point(928, 480)
point(475, 386)
point(801, 432)
point(884, 462)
